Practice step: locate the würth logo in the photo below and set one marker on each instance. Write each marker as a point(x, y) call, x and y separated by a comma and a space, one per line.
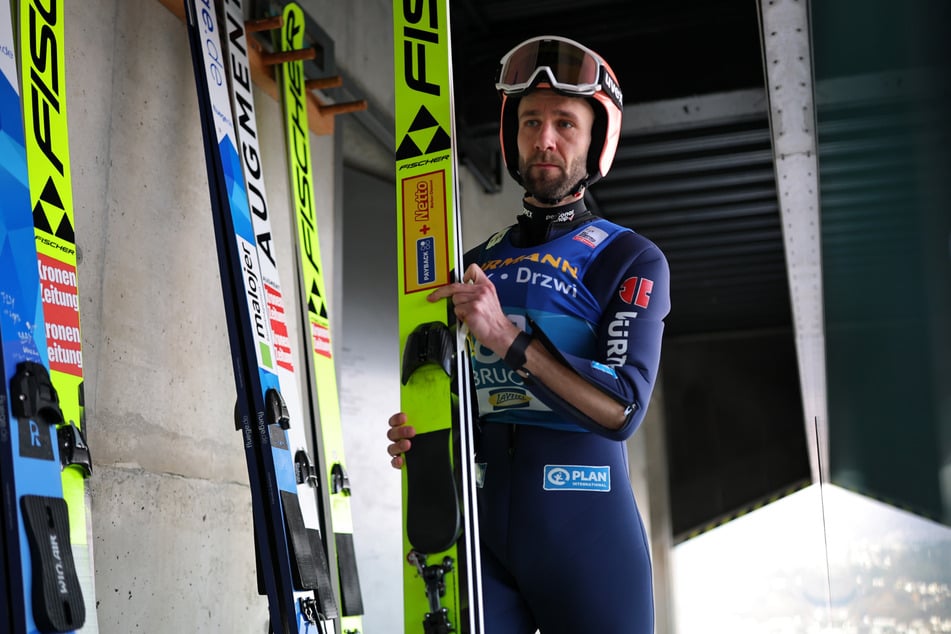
point(636, 292)
point(424, 132)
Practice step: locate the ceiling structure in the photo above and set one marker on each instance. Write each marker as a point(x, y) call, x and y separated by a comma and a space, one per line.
point(659, 49)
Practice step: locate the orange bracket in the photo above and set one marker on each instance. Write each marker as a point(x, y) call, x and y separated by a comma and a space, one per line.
point(320, 116)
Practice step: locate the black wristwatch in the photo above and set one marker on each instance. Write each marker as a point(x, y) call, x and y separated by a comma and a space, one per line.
point(515, 355)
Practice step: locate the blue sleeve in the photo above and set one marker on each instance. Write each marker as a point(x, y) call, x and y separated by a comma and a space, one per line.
point(631, 280)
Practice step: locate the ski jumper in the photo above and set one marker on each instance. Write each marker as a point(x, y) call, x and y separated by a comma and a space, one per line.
point(563, 546)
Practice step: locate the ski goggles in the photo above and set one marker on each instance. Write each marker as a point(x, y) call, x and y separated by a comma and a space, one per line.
point(567, 66)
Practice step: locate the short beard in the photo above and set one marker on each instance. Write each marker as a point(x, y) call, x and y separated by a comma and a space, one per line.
point(553, 189)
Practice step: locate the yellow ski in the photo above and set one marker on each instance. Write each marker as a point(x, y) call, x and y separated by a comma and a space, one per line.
point(43, 80)
point(442, 583)
point(320, 368)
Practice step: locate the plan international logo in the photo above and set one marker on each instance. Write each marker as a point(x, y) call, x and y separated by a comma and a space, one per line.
point(577, 478)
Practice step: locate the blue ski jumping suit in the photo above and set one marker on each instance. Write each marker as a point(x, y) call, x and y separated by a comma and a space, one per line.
point(564, 550)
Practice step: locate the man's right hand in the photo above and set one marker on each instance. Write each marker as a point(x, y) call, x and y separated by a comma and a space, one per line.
point(399, 435)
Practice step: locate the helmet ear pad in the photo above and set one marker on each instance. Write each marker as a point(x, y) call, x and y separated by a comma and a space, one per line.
point(599, 131)
point(605, 135)
point(508, 136)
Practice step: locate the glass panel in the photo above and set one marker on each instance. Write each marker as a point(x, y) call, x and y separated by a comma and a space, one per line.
point(882, 87)
point(888, 571)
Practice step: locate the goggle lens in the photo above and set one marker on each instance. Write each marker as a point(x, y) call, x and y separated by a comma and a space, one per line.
point(571, 67)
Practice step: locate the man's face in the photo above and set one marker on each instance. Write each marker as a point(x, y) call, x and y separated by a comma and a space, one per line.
point(554, 133)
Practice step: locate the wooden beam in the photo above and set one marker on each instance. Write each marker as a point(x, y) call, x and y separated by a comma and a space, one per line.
point(321, 123)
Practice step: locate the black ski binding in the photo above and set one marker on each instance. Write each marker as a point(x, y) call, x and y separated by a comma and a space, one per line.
point(276, 409)
point(436, 620)
point(304, 469)
point(34, 396)
point(431, 342)
point(339, 480)
point(73, 450)
point(35, 402)
point(309, 610)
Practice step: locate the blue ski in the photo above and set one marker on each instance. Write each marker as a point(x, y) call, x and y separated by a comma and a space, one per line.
point(39, 585)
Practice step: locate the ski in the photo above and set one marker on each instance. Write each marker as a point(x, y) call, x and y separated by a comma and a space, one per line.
point(286, 565)
point(320, 370)
point(38, 582)
point(442, 588)
point(307, 477)
point(43, 78)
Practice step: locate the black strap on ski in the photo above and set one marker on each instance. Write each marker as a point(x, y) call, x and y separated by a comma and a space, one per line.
point(310, 571)
point(57, 598)
point(351, 598)
point(350, 595)
point(305, 568)
point(324, 588)
point(433, 514)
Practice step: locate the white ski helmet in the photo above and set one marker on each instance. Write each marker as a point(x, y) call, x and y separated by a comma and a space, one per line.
point(568, 68)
